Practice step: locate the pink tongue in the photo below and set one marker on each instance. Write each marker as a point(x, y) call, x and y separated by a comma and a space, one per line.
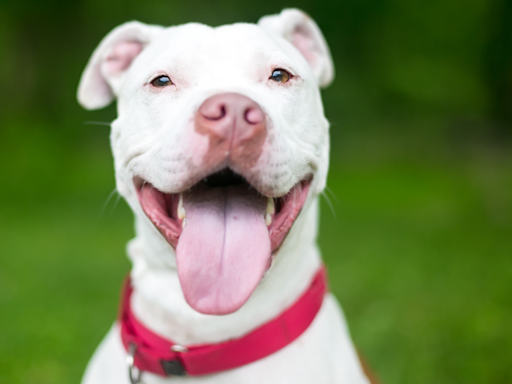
point(224, 249)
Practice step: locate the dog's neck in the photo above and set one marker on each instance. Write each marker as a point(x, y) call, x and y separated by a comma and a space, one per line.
point(158, 301)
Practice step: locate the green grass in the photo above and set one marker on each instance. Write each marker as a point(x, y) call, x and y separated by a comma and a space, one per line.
point(420, 258)
point(419, 255)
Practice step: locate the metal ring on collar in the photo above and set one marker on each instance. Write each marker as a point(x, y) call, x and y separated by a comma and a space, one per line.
point(130, 359)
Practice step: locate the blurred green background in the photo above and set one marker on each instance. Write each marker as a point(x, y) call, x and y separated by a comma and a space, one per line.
point(419, 237)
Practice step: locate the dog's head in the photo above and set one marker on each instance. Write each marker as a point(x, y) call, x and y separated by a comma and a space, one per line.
point(220, 140)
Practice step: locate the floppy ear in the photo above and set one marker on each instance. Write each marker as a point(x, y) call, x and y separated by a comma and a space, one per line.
point(105, 72)
point(303, 33)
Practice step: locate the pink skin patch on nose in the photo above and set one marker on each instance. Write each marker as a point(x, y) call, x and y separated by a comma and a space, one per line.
point(254, 116)
point(236, 128)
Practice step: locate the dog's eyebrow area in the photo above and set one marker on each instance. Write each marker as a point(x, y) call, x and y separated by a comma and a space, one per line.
point(230, 56)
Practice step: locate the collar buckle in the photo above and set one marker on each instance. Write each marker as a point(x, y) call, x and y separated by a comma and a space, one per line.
point(173, 367)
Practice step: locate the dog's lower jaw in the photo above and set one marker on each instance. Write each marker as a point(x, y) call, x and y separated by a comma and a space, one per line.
point(159, 303)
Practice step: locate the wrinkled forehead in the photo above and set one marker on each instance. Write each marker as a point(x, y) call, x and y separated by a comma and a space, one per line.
point(207, 51)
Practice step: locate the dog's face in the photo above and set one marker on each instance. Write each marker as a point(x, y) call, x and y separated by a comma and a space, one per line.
point(220, 140)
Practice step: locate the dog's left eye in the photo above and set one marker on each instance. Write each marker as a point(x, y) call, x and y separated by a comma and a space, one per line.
point(161, 81)
point(280, 75)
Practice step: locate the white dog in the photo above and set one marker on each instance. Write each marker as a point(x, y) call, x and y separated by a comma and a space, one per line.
point(221, 149)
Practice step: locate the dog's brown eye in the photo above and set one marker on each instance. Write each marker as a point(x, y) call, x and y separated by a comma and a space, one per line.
point(280, 75)
point(161, 81)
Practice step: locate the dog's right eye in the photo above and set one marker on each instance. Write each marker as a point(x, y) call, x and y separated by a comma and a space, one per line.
point(280, 75)
point(161, 81)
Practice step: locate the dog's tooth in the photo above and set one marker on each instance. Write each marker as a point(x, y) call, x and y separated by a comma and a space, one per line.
point(268, 219)
point(271, 208)
point(181, 209)
point(183, 223)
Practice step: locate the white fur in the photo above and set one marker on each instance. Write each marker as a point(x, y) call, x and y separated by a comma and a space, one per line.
point(153, 138)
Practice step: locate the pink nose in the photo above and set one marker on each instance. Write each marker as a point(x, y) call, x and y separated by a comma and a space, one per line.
point(235, 125)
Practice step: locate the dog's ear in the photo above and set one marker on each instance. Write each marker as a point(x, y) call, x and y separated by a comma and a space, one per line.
point(105, 72)
point(303, 33)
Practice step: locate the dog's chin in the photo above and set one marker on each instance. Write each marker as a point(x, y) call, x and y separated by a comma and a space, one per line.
point(224, 232)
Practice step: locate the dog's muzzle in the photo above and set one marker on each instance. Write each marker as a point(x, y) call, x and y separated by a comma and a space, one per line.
point(224, 229)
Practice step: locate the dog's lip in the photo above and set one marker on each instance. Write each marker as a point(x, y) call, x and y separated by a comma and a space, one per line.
point(162, 209)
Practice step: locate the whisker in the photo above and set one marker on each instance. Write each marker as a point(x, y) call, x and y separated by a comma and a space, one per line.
point(329, 203)
point(115, 204)
point(111, 194)
point(142, 186)
point(332, 195)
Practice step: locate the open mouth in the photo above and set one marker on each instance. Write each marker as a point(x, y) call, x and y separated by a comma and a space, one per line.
point(224, 232)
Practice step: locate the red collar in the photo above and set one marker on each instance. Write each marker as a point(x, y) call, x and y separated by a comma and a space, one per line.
point(163, 357)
